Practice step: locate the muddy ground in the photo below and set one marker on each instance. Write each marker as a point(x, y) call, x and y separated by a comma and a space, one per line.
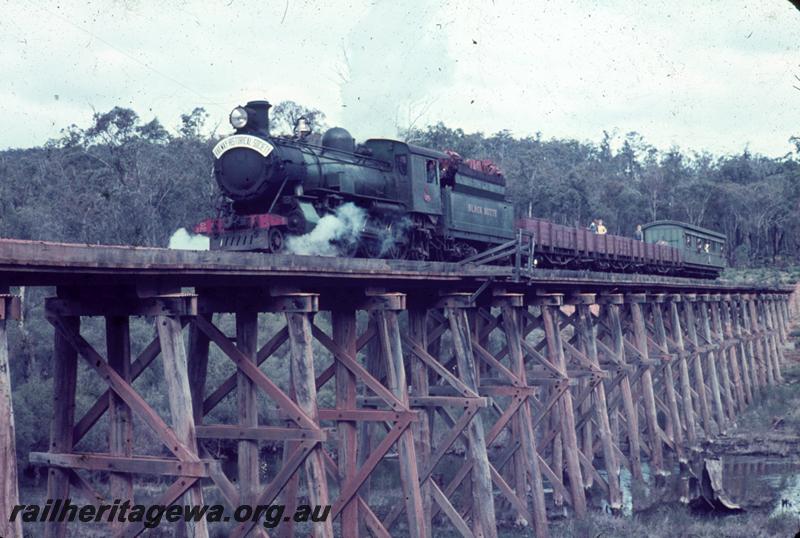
point(760, 469)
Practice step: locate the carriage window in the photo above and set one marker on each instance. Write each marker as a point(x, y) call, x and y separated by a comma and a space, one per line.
point(401, 162)
point(688, 240)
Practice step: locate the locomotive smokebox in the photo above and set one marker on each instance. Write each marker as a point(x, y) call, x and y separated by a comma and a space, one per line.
point(247, 165)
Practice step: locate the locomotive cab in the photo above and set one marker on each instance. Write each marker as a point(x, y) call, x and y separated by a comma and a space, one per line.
point(416, 171)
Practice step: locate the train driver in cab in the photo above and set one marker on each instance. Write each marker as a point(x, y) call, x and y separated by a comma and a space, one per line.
point(431, 169)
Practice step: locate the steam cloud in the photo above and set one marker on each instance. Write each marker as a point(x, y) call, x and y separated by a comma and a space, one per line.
point(184, 240)
point(331, 233)
point(394, 234)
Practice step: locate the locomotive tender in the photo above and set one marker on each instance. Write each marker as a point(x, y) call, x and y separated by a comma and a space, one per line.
point(418, 203)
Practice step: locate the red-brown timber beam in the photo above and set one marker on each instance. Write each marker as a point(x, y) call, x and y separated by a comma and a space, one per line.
point(9, 492)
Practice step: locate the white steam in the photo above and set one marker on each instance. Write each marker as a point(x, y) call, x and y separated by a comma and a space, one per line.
point(331, 233)
point(393, 234)
point(184, 240)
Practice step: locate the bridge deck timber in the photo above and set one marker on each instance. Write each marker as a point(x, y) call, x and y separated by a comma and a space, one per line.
point(550, 385)
point(43, 263)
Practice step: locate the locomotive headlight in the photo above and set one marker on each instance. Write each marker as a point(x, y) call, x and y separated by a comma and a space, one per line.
point(238, 117)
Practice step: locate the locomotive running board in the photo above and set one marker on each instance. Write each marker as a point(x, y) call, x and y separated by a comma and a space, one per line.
point(521, 247)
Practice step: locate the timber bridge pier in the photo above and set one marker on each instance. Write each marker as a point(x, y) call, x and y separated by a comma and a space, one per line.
point(541, 390)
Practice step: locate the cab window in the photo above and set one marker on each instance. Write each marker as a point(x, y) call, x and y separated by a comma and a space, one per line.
point(401, 163)
point(431, 171)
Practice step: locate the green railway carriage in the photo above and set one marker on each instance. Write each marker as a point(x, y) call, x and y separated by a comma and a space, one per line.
point(700, 248)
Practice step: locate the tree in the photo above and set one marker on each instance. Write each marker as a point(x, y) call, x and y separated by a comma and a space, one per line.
point(285, 114)
point(154, 132)
point(113, 127)
point(192, 123)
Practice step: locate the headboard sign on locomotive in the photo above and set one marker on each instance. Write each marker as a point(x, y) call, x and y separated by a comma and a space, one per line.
point(414, 202)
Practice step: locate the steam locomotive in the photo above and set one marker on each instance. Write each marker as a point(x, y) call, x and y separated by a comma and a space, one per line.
point(419, 204)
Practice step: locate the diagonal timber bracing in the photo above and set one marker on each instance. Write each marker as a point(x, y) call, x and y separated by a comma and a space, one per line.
point(483, 400)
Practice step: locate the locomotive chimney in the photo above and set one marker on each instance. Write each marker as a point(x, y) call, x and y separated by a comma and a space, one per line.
point(259, 120)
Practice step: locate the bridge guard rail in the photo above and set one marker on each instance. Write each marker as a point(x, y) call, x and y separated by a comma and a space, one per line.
point(521, 250)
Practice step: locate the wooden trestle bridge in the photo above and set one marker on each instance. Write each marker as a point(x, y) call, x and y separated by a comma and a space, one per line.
point(551, 385)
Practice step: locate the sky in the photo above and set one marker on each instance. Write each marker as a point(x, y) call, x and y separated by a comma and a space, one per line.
point(717, 75)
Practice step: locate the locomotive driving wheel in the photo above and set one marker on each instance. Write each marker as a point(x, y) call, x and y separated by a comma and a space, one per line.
point(371, 247)
point(397, 251)
point(463, 250)
point(416, 255)
point(348, 248)
point(275, 240)
point(375, 247)
point(296, 222)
